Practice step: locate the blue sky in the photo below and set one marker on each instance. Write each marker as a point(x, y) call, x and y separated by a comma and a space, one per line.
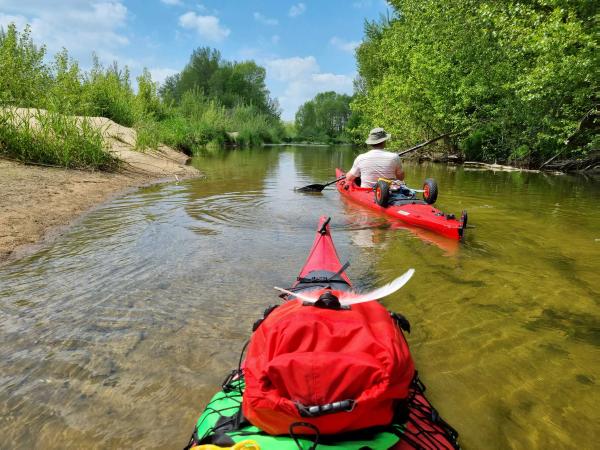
point(306, 46)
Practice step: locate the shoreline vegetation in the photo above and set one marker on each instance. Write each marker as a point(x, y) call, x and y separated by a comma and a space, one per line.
point(212, 102)
point(516, 83)
point(505, 91)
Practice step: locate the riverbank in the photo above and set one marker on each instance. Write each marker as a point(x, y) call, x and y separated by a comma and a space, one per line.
point(38, 203)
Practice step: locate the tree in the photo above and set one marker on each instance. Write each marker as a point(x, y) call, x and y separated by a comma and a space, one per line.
point(516, 77)
point(324, 117)
point(229, 83)
point(24, 77)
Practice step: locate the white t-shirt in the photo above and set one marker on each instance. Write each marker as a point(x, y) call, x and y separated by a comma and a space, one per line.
point(375, 164)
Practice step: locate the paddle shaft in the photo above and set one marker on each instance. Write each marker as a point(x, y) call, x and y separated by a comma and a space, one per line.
point(423, 144)
point(335, 181)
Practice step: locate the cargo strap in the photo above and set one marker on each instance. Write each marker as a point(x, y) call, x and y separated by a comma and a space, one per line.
point(306, 425)
point(329, 408)
point(425, 411)
point(335, 277)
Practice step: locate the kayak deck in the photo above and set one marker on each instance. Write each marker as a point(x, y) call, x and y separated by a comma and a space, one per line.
point(413, 212)
point(322, 268)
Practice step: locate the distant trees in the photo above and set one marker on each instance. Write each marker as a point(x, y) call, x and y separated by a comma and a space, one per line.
point(230, 83)
point(324, 118)
point(518, 78)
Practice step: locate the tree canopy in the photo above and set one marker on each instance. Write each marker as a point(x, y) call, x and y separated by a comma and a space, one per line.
point(517, 78)
point(229, 83)
point(324, 118)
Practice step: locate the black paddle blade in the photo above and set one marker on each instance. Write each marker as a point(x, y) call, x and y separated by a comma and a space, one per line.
point(318, 187)
point(311, 188)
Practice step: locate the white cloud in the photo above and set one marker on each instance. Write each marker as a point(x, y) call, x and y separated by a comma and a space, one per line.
point(289, 69)
point(207, 27)
point(160, 74)
point(302, 79)
point(172, 2)
point(297, 10)
point(265, 20)
point(346, 46)
point(78, 25)
point(275, 39)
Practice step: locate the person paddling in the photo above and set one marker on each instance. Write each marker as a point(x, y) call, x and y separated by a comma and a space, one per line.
point(377, 162)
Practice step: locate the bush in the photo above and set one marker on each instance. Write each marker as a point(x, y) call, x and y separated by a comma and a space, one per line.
point(108, 93)
point(47, 137)
point(24, 78)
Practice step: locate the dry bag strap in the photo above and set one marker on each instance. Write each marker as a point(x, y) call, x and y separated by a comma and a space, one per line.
point(306, 425)
point(329, 408)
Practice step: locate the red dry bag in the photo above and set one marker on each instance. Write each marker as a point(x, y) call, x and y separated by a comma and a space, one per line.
point(337, 369)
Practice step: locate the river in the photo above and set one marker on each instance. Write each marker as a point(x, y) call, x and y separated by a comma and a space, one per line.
point(117, 334)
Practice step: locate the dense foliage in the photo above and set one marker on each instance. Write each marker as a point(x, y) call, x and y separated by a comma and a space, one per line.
point(215, 97)
point(324, 118)
point(518, 79)
point(230, 83)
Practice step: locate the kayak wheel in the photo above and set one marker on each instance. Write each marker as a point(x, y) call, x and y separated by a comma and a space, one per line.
point(382, 193)
point(430, 191)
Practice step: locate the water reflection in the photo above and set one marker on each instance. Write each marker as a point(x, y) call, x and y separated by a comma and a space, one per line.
point(116, 335)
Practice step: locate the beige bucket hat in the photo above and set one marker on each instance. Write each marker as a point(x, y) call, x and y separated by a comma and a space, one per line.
point(377, 135)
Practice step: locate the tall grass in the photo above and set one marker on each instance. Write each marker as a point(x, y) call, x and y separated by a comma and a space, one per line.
point(54, 139)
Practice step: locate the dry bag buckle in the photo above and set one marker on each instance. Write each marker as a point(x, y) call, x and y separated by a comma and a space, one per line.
point(329, 408)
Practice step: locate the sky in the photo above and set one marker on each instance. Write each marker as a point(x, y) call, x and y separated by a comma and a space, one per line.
point(306, 46)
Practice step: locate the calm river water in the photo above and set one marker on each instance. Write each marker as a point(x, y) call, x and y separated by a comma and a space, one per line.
point(116, 335)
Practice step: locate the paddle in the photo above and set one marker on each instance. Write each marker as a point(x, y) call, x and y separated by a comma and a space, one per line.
point(320, 187)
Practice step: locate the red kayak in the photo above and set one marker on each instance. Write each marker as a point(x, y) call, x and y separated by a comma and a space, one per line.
point(413, 212)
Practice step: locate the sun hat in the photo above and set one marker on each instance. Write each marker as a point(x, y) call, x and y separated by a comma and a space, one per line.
point(377, 135)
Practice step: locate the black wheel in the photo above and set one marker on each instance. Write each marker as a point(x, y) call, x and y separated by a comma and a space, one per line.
point(431, 191)
point(382, 193)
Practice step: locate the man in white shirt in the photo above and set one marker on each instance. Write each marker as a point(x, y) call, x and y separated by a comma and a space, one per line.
point(377, 162)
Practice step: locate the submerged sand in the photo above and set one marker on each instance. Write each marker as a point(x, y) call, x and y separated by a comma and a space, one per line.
point(36, 203)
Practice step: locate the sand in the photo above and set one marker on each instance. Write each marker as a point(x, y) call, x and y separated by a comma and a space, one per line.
point(38, 203)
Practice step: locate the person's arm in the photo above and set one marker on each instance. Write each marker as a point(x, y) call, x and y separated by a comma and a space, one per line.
point(399, 171)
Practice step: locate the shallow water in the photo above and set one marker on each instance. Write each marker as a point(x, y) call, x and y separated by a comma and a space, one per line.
point(116, 335)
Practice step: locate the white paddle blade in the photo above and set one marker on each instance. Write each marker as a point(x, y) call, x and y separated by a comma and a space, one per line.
point(303, 297)
point(352, 298)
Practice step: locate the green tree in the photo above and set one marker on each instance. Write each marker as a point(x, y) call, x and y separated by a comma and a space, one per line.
point(231, 84)
point(516, 77)
point(324, 117)
point(24, 77)
point(66, 92)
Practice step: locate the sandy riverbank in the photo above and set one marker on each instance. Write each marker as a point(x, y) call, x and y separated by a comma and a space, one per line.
point(37, 203)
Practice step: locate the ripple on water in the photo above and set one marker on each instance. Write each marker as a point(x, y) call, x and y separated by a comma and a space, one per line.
point(117, 334)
